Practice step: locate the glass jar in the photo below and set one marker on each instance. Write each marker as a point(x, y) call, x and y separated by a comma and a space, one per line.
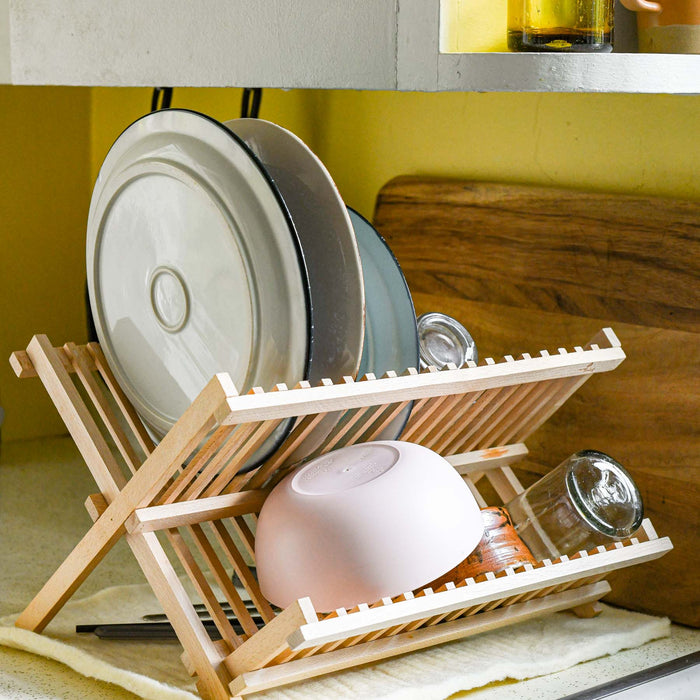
point(587, 501)
point(443, 340)
point(560, 25)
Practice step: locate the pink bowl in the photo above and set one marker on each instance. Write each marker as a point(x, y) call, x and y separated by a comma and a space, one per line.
point(364, 522)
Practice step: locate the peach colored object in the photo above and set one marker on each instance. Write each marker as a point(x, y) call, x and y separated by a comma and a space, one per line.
point(364, 522)
point(668, 26)
point(500, 547)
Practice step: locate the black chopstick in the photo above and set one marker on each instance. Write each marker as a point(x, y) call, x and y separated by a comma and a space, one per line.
point(152, 630)
point(201, 610)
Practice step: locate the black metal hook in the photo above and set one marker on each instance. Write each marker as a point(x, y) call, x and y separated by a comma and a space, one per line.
point(248, 109)
point(162, 94)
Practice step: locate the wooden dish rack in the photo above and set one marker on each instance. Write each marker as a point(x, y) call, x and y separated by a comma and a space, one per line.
point(185, 504)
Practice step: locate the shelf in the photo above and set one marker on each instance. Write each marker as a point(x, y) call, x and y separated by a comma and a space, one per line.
point(382, 45)
point(548, 72)
point(421, 66)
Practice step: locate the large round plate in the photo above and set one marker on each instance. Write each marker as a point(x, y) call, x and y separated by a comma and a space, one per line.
point(391, 336)
point(331, 253)
point(327, 241)
point(193, 268)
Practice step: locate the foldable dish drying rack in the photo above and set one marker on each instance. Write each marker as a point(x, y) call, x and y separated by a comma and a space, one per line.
point(185, 500)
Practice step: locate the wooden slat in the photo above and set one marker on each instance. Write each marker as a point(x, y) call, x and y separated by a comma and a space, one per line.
point(299, 433)
point(459, 415)
point(271, 640)
point(23, 367)
point(463, 417)
point(296, 402)
point(253, 436)
point(476, 461)
point(422, 410)
point(476, 594)
point(349, 429)
point(439, 414)
point(417, 416)
point(302, 669)
point(413, 624)
point(245, 533)
point(138, 492)
point(95, 504)
point(554, 393)
point(223, 579)
point(92, 446)
point(84, 367)
point(383, 421)
point(182, 513)
point(475, 492)
point(205, 475)
point(128, 411)
point(205, 656)
point(196, 463)
point(566, 388)
point(505, 482)
point(347, 421)
point(242, 570)
point(488, 405)
point(506, 412)
point(528, 407)
point(238, 456)
point(201, 584)
point(351, 640)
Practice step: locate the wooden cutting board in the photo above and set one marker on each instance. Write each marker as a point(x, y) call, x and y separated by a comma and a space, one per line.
point(532, 268)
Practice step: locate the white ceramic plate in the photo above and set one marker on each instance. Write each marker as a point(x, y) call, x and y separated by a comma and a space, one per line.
point(193, 268)
point(327, 241)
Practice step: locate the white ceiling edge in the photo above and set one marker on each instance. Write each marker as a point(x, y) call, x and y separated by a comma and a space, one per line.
point(276, 43)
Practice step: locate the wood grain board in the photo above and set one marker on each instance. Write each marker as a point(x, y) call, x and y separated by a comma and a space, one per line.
point(531, 268)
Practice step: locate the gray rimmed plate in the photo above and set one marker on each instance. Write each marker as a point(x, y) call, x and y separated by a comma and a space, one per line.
point(391, 336)
point(330, 250)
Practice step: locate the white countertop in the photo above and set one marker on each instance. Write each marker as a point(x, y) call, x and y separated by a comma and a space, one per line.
point(43, 485)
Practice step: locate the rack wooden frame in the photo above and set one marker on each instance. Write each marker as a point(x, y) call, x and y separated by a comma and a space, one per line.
point(186, 500)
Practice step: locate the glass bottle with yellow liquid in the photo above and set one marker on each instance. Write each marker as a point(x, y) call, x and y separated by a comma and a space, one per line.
point(560, 25)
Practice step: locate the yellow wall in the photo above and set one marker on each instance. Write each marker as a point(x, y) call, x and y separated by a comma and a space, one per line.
point(646, 144)
point(44, 194)
point(621, 143)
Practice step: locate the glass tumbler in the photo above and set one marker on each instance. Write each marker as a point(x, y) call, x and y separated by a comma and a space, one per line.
point(560, 25)
point(587, 501)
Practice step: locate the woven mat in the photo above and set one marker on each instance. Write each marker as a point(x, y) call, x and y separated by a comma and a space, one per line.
point(153, 669)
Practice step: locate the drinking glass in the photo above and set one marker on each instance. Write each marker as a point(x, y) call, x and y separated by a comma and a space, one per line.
point(588, 500)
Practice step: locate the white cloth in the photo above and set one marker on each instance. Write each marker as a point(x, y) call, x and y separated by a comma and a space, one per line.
point(153, 669)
